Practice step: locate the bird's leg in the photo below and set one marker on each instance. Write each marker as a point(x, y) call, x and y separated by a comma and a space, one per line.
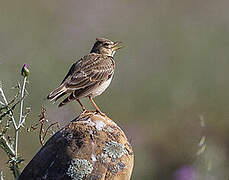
point(82, 106)
point(96, 107)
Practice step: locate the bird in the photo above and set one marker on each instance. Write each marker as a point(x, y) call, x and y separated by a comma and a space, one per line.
point(90, 76)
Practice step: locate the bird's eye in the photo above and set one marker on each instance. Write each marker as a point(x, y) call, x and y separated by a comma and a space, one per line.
point(106, 44)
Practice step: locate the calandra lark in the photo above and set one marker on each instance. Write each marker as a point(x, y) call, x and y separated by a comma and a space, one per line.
point(90, 75)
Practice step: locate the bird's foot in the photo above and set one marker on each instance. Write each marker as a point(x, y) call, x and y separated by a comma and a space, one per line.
point(84, 110)
point(87, 111)
point(101, 113)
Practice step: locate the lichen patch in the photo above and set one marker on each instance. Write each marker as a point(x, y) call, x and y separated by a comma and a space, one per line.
point(79, 169)
point(113, 169)
point(89, 122)
point(103, 158)
point(111, 122)
point(121, 165)
point(114, 150)
point(99, 125)
point(109, 129)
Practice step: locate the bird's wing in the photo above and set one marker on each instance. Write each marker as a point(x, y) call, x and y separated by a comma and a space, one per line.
point(75, 67)
point(91, 69)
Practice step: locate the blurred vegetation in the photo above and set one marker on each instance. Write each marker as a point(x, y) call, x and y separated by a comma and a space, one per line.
point(173, 69)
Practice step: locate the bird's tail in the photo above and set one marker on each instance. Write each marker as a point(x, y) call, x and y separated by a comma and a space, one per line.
point(57, 93)
point(68, 99)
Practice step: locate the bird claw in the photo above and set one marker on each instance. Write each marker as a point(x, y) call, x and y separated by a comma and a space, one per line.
point(86, 111)
point(97, 112)
point(101, 113)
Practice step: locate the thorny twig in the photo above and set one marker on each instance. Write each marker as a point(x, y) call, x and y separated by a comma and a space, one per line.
point(24, 117)
point(9, 111)
point(9, 146)
point(20, 116)
point(42, 120)
point(6, 104)
point(49, 127)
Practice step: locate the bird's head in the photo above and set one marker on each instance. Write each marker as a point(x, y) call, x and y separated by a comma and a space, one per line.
point(105, 46)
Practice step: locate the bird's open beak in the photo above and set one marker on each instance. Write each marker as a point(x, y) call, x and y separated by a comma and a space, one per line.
point(116, 47)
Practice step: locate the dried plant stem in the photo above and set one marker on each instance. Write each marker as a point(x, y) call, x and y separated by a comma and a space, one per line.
point(11, 149)
point(7, 147)
point(6, 103)
point(20, 117)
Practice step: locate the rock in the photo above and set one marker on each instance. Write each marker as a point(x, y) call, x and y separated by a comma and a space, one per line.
point(90, 147)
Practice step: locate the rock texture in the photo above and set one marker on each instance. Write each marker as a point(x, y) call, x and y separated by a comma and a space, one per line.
point(90, 147)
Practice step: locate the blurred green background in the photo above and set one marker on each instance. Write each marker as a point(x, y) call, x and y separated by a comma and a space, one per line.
point(172, 71)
